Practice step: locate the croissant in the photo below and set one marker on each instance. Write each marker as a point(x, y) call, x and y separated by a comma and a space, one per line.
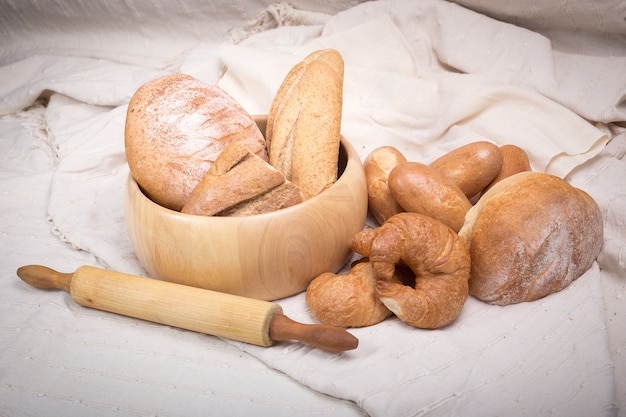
point(346, 300)
point(437, 256)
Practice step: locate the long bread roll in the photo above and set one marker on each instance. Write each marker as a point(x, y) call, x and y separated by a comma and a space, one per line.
point(377, 166)
point(421, 189)
point(304, 122)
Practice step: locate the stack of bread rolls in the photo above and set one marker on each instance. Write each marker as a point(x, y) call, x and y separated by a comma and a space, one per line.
point(192, 148)
point(476, 221)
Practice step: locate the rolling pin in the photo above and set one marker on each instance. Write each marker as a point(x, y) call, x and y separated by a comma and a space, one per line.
point(219, 314)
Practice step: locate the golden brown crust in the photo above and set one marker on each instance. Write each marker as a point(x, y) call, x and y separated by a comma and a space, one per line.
point(530, 235)
point(377, 166)
point(346, 300)
point(304, 122)
point(420, 189)
point(471, 167)
point(514, 160)
point(436, 255)
point(176, 126)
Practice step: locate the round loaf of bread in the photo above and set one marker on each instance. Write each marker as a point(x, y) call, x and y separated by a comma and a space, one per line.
point(176, 126)
point(529, 236)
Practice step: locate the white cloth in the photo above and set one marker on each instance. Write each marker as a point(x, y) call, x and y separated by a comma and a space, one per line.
point(422, 76)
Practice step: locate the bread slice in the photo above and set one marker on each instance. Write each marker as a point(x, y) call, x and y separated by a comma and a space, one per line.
point(240, 183)
point(283, 196)
point(304, 122)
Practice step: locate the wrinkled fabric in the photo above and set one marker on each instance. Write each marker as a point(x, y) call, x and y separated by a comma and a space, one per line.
point(425, 77)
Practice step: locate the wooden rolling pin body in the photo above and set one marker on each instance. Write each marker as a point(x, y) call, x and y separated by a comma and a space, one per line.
point(224, 315)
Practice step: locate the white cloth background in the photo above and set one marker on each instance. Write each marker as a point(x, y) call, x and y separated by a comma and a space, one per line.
point(425, 77)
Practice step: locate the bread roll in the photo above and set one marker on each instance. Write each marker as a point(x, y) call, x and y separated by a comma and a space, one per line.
point(471, 167)
point(346, 300)
point(420, 189)
point(530, 235)
point(304, 122)
point(436, 255)
point(514, 160)
point(176, 126)
point(377, 166)
point(240, 183)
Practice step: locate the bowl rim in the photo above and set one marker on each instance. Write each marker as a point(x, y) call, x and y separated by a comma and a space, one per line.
point(349, 150)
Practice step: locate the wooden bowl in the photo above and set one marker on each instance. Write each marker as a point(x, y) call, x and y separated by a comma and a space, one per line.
point(266, 256)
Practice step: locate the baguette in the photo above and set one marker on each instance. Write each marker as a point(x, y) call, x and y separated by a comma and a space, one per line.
point(304, 122)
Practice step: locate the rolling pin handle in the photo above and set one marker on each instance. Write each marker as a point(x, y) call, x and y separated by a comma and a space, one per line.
point(329, 338)
point(43, 277)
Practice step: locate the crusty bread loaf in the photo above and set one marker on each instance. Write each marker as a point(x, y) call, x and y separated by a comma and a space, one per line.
point(176, 126)
point(530, 235)
point(241, 183)
point(471, 167)
point(304, 122)
point(377, 166)
point(421, 189)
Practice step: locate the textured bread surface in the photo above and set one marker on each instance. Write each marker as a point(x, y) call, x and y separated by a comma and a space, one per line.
point(514, 160)
point(176, 126)
point(280, 197)
point(529, 236)
point(304, 122)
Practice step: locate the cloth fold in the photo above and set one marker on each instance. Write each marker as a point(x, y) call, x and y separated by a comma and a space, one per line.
point(393, 94)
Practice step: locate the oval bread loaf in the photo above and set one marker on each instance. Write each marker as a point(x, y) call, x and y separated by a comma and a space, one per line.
point(377, 166)
point(420, 189)
point(471, 167)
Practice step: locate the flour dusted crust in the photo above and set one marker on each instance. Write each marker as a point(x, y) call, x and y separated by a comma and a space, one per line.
point(176, 126)
point(304, 122)
point(530, 235)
